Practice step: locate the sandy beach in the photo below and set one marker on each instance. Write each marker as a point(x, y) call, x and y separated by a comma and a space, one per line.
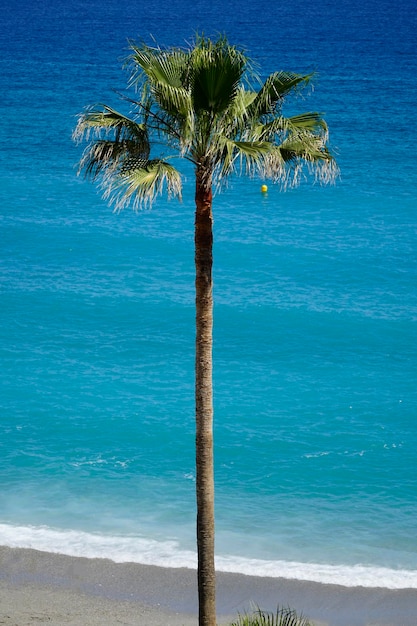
point(38, 587)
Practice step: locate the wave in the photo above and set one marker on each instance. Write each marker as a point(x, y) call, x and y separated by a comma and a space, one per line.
point(136, 549)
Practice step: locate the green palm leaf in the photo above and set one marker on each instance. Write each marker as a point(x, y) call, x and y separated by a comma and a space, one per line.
point(167, 96)
point(216, 74)
point(124, 140)
point(164, 72)
point(282, 617)
point(281, 127)
point(276, 87)
point(249, 154)
point(96, 121)
point(159, 66)
point(143, 183)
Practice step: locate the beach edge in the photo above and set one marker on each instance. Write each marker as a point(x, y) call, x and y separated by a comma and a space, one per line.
point(63, 589)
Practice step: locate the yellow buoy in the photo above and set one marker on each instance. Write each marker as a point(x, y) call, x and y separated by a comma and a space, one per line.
point(264, 188)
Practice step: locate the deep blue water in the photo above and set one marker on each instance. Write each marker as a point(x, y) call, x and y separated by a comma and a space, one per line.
point(315, 315)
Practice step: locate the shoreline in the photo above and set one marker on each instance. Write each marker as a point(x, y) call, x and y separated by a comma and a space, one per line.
point(40, 586)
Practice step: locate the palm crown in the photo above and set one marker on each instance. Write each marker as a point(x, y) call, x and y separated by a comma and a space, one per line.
point(199, 102)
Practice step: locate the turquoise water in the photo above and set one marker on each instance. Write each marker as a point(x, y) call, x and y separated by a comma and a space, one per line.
point(315, 315)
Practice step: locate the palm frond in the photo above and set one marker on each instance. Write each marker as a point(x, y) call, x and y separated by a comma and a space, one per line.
point(165, 87)
point(305, 146)
point(249, 154)
point(282, 617)
point(216, 73)
point(158, 65)
point(141, 185)
point(275, 88)
point(102, 121)
point(100, 156)
point(280, 127)
point(163, 73)
point(286, 162)
point(312, 122)
point(116, 142)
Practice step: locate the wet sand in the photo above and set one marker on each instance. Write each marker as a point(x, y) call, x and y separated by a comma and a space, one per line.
point(39, 587)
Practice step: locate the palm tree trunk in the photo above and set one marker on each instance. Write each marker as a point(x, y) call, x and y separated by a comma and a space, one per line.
point(204, 403)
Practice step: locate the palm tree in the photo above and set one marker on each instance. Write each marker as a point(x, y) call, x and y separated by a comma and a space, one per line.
point(199, 102)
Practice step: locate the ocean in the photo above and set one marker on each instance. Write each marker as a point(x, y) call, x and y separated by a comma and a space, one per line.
point(315, 335)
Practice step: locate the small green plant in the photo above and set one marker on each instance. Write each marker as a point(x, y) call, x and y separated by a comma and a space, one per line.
point(282, 617)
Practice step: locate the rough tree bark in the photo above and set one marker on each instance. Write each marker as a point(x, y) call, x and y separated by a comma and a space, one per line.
point(204, 403)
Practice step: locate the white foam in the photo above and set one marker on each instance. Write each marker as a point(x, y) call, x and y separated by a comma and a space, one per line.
point(135, 549)
point(348, 576)
point(118, 548)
